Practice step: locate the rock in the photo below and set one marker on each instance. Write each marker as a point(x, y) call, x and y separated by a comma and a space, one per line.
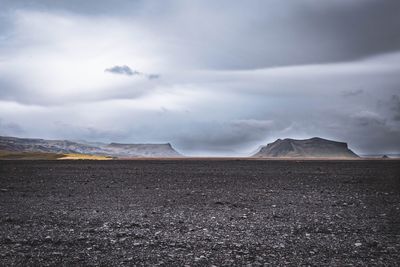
point(14, 144)
point(314, 148)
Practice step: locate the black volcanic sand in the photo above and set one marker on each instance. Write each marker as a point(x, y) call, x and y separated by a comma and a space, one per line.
point(200, 213)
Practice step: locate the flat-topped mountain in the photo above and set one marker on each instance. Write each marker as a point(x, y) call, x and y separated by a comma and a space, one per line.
point(309, 148)
point(15, 144)
point(142, 150)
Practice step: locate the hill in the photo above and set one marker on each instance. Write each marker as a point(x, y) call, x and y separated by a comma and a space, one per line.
point(309, 148)
point(25, 145)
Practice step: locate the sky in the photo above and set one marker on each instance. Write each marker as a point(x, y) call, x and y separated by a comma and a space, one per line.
point(216, 78)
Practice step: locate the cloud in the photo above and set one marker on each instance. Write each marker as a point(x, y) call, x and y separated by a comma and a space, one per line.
point(395, 107)
point(255, 34)
point(210, 82)
point(153, 76)
point(263, 34)
point(234, 112)
point(125, 70)
point(10, 128)
point(67, 54)
point(224, 138)
point(366, 118)
point(352, 93)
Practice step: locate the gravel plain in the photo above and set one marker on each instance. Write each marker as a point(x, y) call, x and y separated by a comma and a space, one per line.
point(200, 213)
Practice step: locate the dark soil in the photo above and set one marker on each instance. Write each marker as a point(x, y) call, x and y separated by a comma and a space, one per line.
point(200, 213)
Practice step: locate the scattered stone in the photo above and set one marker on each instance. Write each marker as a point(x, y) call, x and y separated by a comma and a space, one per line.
point(196, 231)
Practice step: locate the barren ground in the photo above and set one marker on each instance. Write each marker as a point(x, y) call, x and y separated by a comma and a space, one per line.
point(200, 213)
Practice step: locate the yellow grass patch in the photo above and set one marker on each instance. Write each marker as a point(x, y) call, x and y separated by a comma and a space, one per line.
point(84, 156)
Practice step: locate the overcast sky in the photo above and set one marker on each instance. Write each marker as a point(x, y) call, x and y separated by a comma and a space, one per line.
point(210, 77)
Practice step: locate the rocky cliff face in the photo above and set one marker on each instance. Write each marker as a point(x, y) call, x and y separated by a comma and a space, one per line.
point(64, 146)
point(309, 148)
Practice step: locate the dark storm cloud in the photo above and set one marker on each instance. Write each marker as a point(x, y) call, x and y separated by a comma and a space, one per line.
point(125, 70)
point(259, 34)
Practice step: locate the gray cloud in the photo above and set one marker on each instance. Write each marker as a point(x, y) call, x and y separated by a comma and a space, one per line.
point(254, 34)
point(273, 33)
point(125, 70)
point(352, 92)
point(91, 7)
point(367, 118)
point(395, 107)
point(10, 128)
point(153, 76)
point(224, 138)
point(90, 132)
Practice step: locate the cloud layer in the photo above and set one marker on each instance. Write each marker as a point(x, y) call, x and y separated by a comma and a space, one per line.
point(210, 82)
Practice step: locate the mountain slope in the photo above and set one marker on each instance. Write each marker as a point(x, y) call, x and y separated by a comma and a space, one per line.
point(15, 144)
point(142, 150)
point(309, 148)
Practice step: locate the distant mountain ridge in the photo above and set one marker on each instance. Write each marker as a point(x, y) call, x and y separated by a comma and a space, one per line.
point(15, 144)
point(315, 147)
